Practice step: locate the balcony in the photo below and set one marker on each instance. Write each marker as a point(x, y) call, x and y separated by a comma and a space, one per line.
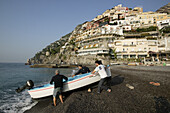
point(162, 45)
point(118, 45)
point(121, 51)
point(132, 45)
point(93, 51)
point(133, 51)
point(141, 51)
point(124, 51)
point(152, 44)
point(125, 45)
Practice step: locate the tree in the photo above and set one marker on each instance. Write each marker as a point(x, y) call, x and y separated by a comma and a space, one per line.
point(113, 52)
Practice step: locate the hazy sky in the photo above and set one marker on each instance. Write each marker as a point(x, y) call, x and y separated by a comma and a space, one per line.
point(28, 26)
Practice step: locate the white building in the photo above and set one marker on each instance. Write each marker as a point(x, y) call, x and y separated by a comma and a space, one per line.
point(135, 48)
point(163, 23)
point(94, 51)
point(114, 29)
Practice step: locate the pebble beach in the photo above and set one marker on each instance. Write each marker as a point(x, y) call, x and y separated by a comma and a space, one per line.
point(142, 98)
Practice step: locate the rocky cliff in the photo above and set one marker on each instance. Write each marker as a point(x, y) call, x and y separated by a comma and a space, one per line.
point(50, 53)
point(164, 9)
point(63, 51)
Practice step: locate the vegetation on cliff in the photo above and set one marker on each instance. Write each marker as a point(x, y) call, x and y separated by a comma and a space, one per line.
point(52, 49)
point(164, 9)
point(65, 49)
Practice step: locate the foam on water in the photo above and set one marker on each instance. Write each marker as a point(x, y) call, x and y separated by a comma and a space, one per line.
point(17, 103)
point(13, 75)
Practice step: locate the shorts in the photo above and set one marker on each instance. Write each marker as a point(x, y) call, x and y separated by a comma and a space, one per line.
point(57, 91)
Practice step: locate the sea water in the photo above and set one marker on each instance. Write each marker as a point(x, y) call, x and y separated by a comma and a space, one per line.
point(14, 75)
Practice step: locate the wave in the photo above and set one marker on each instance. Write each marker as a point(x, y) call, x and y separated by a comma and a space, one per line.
point(16, 103)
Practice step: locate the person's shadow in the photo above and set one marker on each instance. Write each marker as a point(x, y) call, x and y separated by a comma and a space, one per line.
point(114, 81)
point(117, 80)
point(162, 105)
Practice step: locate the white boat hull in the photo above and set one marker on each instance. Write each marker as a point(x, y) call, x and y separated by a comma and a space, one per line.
point(72, 83)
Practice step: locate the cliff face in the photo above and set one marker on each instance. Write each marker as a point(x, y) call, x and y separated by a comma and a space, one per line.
point(51, 52)
point(64, 51)
point(164, 9)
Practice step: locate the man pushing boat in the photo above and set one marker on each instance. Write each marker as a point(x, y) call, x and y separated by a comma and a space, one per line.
point(58, 85)
point(82, 70)
point(100, 68)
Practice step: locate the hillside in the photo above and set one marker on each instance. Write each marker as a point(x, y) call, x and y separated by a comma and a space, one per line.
point(93, 40)
point(53, 48)
point(164, 9)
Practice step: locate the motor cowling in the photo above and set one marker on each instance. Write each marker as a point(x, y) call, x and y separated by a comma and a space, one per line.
point(29, 85)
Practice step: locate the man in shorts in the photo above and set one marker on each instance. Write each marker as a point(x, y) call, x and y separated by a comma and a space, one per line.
point(58, 85)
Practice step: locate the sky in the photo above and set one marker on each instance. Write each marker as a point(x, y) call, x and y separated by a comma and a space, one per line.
point(28, 26)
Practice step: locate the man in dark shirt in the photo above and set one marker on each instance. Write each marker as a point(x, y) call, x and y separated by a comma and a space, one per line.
point(82, 70)
point(58, 85)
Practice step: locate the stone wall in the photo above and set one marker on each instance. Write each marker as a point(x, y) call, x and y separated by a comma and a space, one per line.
point(89, 59)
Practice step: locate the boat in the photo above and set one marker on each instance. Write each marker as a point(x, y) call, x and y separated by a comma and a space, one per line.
point(72, 83)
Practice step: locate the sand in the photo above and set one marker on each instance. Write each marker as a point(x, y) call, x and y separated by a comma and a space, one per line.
point(144, 98)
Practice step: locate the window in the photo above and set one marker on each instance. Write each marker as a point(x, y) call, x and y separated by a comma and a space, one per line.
point(117, 50)
point(132, 49)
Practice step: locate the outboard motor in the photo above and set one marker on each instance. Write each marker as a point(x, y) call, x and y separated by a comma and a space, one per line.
point(29, 85)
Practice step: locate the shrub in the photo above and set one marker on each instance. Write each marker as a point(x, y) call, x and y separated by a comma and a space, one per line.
point(139, 30)
point(53, 52)
point(65, 57)
point(60, 56)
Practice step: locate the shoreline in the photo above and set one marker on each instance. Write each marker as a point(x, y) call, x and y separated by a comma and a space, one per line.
point(144, 98)
point(51, 66)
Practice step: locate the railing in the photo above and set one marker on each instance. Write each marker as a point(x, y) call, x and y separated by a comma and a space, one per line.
point(129, 45)
point(133, 51)
point(118, 45)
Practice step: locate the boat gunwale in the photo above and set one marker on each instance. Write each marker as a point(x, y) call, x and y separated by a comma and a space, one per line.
point(51, 86)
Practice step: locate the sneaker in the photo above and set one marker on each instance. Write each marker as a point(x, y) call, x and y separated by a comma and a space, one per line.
point(109, 90)
point(89, 90)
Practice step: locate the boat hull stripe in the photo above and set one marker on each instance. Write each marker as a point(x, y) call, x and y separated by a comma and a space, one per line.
point(64, 83)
